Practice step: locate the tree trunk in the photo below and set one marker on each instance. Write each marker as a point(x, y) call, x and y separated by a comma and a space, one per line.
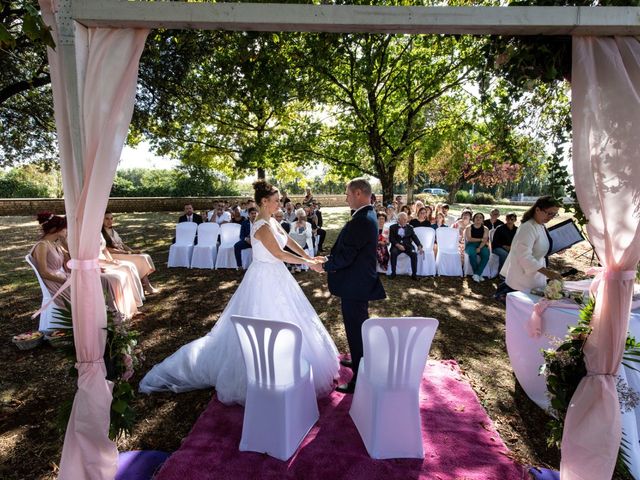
point(386, 180)
point(411, 176)
point(261, 173)
point(453, 189)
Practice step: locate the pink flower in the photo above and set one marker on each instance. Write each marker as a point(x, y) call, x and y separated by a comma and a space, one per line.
point(128, 361)
point(127, 375)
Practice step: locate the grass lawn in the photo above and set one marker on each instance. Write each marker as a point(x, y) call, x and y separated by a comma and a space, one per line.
point(33, 383)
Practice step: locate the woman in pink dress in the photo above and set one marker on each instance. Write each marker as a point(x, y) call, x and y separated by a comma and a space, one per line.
point(120, 251)
point(50, 257)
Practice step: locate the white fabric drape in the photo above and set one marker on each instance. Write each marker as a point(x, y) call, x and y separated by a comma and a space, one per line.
point(93, 109)
point(606, 168)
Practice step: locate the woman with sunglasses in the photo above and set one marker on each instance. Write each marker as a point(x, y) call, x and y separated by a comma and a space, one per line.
point(525, 267)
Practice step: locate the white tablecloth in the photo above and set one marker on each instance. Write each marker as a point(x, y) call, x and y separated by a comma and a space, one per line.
point(526, 357)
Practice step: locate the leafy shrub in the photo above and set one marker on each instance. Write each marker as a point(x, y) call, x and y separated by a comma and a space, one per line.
point(462, 196)
point(28, 181)
point(482, 198)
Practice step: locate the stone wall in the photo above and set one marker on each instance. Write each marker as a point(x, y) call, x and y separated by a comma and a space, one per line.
point(31, 206)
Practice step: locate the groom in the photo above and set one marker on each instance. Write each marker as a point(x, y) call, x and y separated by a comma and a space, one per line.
point(351, 269)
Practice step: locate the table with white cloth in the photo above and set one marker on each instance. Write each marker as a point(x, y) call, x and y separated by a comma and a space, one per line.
point(526, 357)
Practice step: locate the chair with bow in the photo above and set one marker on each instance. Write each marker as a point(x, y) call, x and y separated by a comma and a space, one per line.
point(204, 253)
point(386, 406)
point(181, 251)
point(281, 405)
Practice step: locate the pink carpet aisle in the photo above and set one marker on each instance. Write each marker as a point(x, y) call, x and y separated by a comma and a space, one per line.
point(460, 442)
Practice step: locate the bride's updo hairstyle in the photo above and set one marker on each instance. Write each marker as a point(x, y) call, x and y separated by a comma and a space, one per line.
point(263, 189)
point(51, 223)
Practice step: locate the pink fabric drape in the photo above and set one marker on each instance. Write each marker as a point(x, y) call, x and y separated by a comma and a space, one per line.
point(606, 168)
point(92, 128)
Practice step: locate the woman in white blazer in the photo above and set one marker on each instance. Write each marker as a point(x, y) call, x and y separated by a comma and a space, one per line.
point(525, 266)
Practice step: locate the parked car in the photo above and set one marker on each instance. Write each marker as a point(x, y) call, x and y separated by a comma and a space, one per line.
point(436, 191)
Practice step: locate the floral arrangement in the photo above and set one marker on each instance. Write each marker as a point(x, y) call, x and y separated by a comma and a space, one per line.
point(555, 290)
point(122, 356)
point(563, 369)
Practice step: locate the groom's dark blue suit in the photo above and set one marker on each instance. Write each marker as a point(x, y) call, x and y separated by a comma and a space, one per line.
point(352, 276)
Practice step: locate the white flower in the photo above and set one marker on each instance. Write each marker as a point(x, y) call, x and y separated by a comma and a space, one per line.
point(553, 290)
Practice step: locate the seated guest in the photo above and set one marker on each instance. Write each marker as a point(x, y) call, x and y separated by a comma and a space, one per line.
point(123, 282)
point(250, 204)
point(308, 198)
point(279, 216)
point(416, 208)
point(449, 219)
point(289, 213)
point(120, 251)
point(322, 234)
point(189, 215)
point(50, 257)
point(493, 221)
point(525, 267)
point(422, 220)
point(503, 237)
point(402, 237)
point(220, 215)
point(406, 209)
point(301, 233)
point(245, 236)
point(398, 203)
point(476, 236)
point(236, 215)
point(391, 214)
point(284, 198)
point(382, 250)
point(463, 222)
point(315, 229)
point(440, 221)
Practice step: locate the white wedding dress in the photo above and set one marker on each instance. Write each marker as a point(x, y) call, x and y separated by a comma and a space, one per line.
point(267, 291)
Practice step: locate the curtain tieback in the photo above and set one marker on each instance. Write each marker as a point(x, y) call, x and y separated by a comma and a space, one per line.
point(73, 264)
point(600, 375)
point(606, 273)
point(84, 362)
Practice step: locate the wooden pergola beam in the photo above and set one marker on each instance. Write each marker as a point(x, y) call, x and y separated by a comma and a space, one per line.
point(350, 18)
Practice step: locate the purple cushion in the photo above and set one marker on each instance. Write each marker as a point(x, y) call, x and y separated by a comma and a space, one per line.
point(139, 464)
point(544, 474)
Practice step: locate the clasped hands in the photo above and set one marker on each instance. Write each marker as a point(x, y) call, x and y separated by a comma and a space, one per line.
point(315, 263)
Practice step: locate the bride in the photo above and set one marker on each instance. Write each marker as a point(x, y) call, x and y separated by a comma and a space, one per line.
point(267, 291)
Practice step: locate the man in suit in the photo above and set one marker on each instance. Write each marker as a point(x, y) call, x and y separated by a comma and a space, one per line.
point(245, 235)
point(401, 238)
point(322, 234)
point(279, 216)
point(351, 268)
point(189, 216)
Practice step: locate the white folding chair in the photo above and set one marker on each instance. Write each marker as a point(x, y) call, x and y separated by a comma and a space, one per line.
point(426, 261)
point(229, 236)
point(204, 253)
point(46, 315)
point(448, 261)
point(281, 405)
point(247, 257)
point(386, 405)
point(181, 251)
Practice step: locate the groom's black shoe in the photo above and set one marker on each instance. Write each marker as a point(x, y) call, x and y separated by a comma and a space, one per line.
point(346, 388)
point(346, 363)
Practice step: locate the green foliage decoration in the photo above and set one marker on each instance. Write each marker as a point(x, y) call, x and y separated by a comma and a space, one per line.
point(122, 356)
point(564, 368)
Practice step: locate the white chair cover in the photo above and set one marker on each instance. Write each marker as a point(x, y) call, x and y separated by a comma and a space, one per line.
point(204, 253)
point(181, 251)
point(386, 405)
point(448, 261)
point(229, 236)
point(490, 271)
point(46, 315)
point(247, 257)
point(426, 261)
point(281, 404)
